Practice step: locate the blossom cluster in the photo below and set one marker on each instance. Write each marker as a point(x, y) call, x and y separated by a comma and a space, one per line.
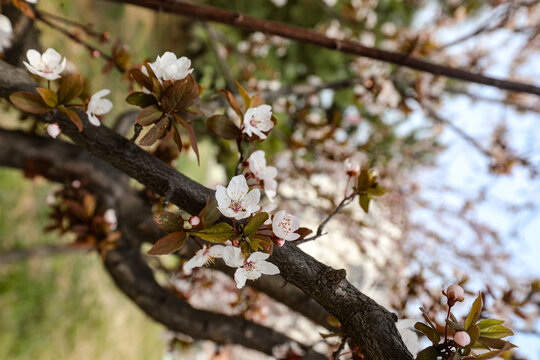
point(240, 202)
point(50, 65)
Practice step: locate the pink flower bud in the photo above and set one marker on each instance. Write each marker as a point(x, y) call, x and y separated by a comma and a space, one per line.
point(53, 130)
point(194, 220)
point(462, 338)
point(455, 293)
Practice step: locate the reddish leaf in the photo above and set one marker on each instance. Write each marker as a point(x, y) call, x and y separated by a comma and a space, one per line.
point(141, 99)
point(303, 232)
point(168, 244)
point(209, 214)
point(29, 102)
point(158, 131)
point(70, 87)
point(48, 96)
point(141, 79)
point(73, 116)
point(232, 101)
point(192, 138)
point(223, 126)
point(149, 115)
point(256, 100)
point(181, 95)
point(168, 221)
point(24, 7)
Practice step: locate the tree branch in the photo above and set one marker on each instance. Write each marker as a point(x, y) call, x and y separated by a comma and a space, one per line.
point(242, 21)
point(370, 325)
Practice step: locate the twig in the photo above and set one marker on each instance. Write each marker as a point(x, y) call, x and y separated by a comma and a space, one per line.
point(346, 201)
point(221, 62)
point(249, 23)
point(70, 22)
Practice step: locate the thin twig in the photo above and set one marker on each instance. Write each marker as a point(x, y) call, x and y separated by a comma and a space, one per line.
point(221, 61)
point(240, 20)
point(346, 201)
point(85, 28)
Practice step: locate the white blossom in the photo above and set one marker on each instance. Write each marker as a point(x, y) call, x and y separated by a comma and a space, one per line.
point(264, 174)
point(32, 1)
point(54, 130)
point(258, 120)
point(110, 217)
point(284, 226)
point(203, 257)
point(252, 268)
point(6, 33)
point(98, 106)
point(168, 67)
point(49, 65)
point(283, 351)
point(236, 201)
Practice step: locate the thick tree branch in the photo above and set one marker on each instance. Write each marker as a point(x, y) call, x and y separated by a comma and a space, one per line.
point(60, 161)
point(63, 162)
point(371, 326)
point(242, 21)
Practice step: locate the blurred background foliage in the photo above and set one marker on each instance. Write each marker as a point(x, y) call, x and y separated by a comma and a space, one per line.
point(65, 306)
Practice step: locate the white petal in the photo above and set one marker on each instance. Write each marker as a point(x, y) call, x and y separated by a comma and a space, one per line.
point(252, 200)
point(31, 68)
point(221, 196)
point(268, 268)
point(258, 256)
point(216, 251)
point(292, 236)
point(104, 106)
point(34, 57)
point(5, 25)
point(93, 119)
point(233, 256)
point(240, 277)
point(196, 261)
point(237, 186)
point(101, 93)
point(51, 57)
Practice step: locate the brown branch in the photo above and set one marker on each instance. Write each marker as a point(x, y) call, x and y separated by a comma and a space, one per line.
point(242, 21)
point(61, 161)
point(370, 325)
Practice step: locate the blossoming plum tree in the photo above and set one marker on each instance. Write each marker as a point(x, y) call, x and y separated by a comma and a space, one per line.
point(248, 228)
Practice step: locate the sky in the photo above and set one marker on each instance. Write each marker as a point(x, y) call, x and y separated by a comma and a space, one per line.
point(462, 166)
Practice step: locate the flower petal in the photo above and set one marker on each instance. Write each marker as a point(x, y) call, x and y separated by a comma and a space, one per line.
point(268, 268)
point(258, 256)
point(240, 277)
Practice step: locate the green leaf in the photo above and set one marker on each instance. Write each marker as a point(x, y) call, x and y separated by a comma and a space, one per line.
point(487, 323)
point(149, 115)
point(429, 353)
point(168, 221)
point(141, 99)
point(244, 94)
point(364, 202)
point(223, 126)
point(210, 213)
point(180, 96)
point(363, 180)
point(158, 131)
point(70, 87)
point(376, 190)
point(494, 343)
point(254, 223)
point(474, 314)
point(218, 233)
point(496, 332)
point(29, 102)
point(141, 79)
point(191, 134)
point(168, 244)
point(432, 334)
point(474, 333)
point(494, 354)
